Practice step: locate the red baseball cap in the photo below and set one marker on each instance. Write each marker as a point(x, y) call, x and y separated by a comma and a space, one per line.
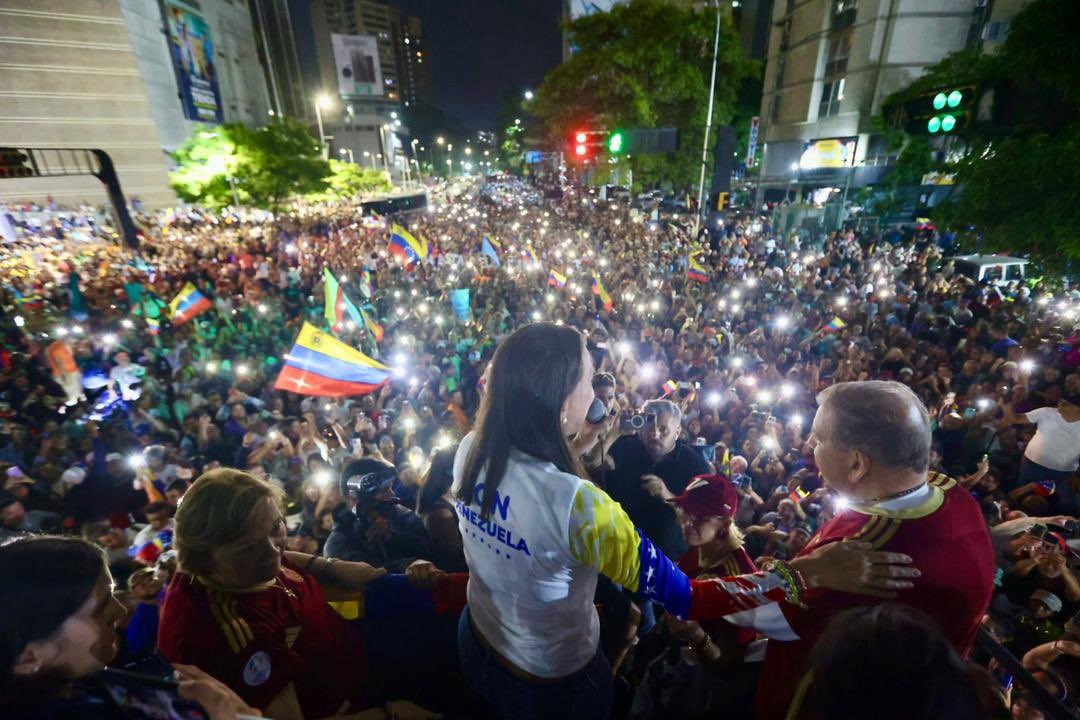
point(709, 496)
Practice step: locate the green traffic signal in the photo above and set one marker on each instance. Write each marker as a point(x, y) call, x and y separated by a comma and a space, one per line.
point(615, 142)
point(954, 98)
point(939, 101)
point(934, 124)
point(948, 122)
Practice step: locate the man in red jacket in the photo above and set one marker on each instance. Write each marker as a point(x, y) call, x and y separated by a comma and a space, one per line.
point(872, 446)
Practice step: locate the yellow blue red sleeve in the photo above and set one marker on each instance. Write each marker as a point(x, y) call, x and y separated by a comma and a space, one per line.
point(602, 535)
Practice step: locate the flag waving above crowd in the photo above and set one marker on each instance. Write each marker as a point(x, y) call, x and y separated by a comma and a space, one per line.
point(320, 364)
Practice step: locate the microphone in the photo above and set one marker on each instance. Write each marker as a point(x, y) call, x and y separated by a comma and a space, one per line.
point(597, 412)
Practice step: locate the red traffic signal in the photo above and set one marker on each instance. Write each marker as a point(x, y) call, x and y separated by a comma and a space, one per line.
point(580, 150)
point(581, 137)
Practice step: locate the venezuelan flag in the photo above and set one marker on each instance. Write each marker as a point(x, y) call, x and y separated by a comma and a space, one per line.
point(407, 247)
point(601, 292)
point(338, 306)
point(696, 271)
point(669, 387)
point(372, 327)
point(188, 304)
point(556, 279)
point(835, 324)
point(319, 364)
point(529, 255)
point(153, 326)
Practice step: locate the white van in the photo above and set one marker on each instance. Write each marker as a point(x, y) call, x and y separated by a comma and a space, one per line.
point(995, 269)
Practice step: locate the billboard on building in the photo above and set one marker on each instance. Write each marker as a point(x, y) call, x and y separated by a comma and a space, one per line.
point(581, 8)
point(356, 58)
point(192, 55)
point(828, 153)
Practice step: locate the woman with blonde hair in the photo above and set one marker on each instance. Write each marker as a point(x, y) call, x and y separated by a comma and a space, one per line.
point(255, 616)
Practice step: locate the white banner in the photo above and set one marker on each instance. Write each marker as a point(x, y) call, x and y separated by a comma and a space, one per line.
point(357, 60)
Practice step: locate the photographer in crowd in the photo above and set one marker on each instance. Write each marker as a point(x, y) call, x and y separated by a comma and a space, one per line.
point(372, 526)
point(649, 468)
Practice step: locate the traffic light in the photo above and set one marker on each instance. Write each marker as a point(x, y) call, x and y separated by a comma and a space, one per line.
point(581, 149)
point(15, 164)
point(616, 142)
point(937, 112)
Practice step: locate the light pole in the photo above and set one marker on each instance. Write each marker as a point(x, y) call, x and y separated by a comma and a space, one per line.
point(419, 174)
point(321, 101)
point(369, 155)
point(708, 124)
point(342, 151)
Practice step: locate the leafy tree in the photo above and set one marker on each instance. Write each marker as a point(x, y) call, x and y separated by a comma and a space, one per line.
point(1015, 186)
point(347, 181)
point(263, 166)
point(646, 63)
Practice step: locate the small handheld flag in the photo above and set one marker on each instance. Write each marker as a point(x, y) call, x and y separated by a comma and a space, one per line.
point(406, 247)
point(669, 387)
point(835, 324)
point(373, 327)
point(601, 292)
point(188, 304)
point(556, 279)
point(322, 365)
point(529, 255)
point(487, 247)
point(696, 271)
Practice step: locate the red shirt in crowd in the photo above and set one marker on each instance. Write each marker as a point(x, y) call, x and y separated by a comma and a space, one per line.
point(950, 545)
point(258, 641)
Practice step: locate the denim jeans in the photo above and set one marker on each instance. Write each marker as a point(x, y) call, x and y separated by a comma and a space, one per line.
point(587, 694)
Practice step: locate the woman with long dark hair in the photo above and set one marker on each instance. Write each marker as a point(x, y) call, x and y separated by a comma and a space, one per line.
point(537, 535)
point(58, 628)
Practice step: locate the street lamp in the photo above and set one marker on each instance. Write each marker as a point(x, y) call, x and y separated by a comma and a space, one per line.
point(468, 151)
point(342, 151)
point(369, 155)
point(528, 94)
point(322, 101)
point(440, 140)
point(708, 123)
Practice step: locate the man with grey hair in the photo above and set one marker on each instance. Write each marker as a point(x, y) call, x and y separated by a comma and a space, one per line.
point(649, 468)
point(871, 445)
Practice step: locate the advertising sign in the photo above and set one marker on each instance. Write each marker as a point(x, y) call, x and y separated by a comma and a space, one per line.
point(193, 60)
point(828, 153)
point(751, 143)
point(356, 58)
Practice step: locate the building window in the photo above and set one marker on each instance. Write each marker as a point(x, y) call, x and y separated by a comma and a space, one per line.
point(831, 95)
point(839, 50)
point(774, 108)
point(843, 13)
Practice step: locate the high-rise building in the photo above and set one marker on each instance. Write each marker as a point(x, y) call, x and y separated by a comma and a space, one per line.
point(413, 73)
point(276, 44)
point(359, 44)
point(831, 64)
point(356, 17)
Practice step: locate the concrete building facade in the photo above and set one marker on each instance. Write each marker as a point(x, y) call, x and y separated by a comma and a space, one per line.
point(100, 74)
point(831, 64)
point(70, 78)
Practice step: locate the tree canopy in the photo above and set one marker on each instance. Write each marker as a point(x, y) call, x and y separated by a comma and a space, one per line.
point(646, 63)
point(263, 166)
point(1016, 186)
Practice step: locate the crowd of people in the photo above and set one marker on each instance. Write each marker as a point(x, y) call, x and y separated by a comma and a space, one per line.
point(758, 395)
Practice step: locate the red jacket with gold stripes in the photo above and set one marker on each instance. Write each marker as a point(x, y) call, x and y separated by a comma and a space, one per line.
point(950, 544)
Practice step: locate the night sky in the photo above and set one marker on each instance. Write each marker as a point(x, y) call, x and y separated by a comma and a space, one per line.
point(480, 48)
